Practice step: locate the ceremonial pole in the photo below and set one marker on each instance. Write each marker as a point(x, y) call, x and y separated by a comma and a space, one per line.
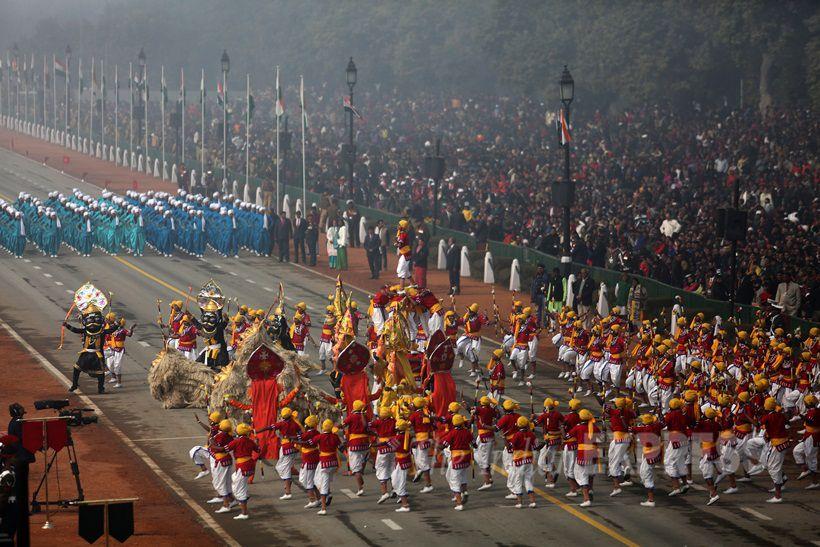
point(278, 112)
point(79, 97)
point(202, 124)
point(67, 84)
point(304, 118)
point(247, 129)
point(93, 105)
point(102, 105)
point(182, 115)
point(116, 112)
point(145, 107)
point(226, 64)
point(163, 94)
point(54, 92)
point(45, 90)
point(130, 113)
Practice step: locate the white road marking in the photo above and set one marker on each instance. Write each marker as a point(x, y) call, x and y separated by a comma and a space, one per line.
point(69, 291)
point(349, 493)
point(268, 289)
point(697, 487)
point(144, 343)
point(757, 514)
point(232, 273)
point(166, 439)
point(251, 281)
point(26, 260)
point(204, 515)
point(58, 283)
point(47, 274)
point(390, 524)
point(37, 268)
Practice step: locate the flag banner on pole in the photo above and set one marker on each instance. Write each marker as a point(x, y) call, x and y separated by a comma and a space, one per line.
point(82, 81)
point(59, 68)
point(348, 106)
point(563, 129)
point(219, 94)
point(164, 89)
point(302, 102)
point(251, 106)
point(202, 88)
point(280, 103)
point(181, 98)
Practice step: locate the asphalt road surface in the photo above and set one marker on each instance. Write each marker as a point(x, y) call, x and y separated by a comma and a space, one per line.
point(36, 291)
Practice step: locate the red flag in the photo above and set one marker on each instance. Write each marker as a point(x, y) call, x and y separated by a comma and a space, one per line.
point(566, 137)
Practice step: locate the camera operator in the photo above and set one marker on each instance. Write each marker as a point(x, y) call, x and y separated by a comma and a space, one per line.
point(14, 477)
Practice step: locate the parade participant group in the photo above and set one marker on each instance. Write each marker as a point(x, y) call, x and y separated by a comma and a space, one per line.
point(728, 402)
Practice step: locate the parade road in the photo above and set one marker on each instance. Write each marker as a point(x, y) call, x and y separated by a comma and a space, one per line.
point(36, 291)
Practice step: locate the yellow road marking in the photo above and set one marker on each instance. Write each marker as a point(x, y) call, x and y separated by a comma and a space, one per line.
point(152, 277)
point(578, 514)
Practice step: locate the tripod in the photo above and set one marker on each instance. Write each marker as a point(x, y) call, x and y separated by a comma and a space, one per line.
point(75, 470)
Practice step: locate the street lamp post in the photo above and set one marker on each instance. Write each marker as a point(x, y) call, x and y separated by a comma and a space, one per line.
point(567, 87)
point(434, 169)
point(351, 74)
point(140, 113)
point(226, 67)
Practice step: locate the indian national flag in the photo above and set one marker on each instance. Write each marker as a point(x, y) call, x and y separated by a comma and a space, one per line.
point(59, 68)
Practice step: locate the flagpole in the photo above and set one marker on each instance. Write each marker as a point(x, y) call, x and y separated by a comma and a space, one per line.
point(54, 92)
point(278, 115)
point(116, 112)
point(67, 83)
point(25, 91)
point(182, 116)
point(247, 129)
point(93, 105)
point(130, 113)
point(102, 106)
point(145, 108)
point(45, 92)
point(304, 175)
point(202, 125)
point(163, 92)
point(79, 99)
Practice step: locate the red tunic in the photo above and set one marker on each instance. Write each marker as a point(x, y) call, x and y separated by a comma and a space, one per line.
point(571, 419)
point(358, 438)
point(187, 338)
point(421, 427)
point(649, 436)
point(522, 443)
point(587, 435)
point(678, 425)
point(328, 444)
point(460, 441)
point(485, 417)
point(708, 430)
point(812, 422)
point(218, 449)
point(506, 425)
point(550, 423)
point(288, 431)
point(243, 449)
point(298, 334)
point(774, 423)
point(384, 428)
point(310, 452)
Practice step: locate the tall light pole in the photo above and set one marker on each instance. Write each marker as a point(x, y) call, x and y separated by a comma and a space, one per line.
point(352, 75)
point(142, 99)
point(434, 169)
point(67, 95)
point(226, 67)
point(567, 197)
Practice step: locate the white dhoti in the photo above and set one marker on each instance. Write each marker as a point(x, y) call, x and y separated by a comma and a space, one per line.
point(507, 463)
point(435, 323)
point(200, 455)
point(774, 463)
point(307, 475)
point(710, 469)
point(456, 477)
point(583, 473)
point(403, 268)
point(284, 465)
point(586, 369)
point(221, 479)
point(239, 483)
point(324, 478)
point(618, 457)
point(398, 479)
point(189, 353)
point(115, 366)
point(469, 347)
point(519, 356)
point(568, 460)
point(647, 473)
point(600, 371)
point(325, 351)
point(357, 459)
point(615, 372)
point(674, 460)
point(421, 455)
point(484, 454)
point(805, 453)
point(548, 459)
point(522, 479)
point(384, 465)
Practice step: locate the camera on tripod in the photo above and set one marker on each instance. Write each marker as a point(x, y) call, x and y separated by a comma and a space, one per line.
point(75, 415)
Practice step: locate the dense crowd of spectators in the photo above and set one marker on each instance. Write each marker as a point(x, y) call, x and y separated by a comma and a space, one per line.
point(648, 180)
